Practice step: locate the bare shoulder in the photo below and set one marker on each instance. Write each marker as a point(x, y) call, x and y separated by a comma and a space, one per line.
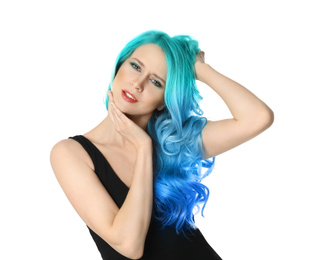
point(69, 148)
point(82, 187)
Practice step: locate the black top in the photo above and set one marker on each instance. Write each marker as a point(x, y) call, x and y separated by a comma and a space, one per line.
point(160, 244)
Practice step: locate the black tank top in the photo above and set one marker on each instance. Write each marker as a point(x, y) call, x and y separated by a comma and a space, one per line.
point(160, 244)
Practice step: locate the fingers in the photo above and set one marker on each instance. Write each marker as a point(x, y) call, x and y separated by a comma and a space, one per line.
point(126, 127)
point(113, 111)
point(116, 110)
point(110, 96)
point(201, 56)
point(118, 118)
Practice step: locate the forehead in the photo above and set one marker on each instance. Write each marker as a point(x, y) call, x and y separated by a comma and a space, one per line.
point(153, 57)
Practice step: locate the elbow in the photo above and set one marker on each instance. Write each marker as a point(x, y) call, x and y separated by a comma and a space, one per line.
point(137, 254)
point(127, 244)
point(259, 122)
point(268, 118)
point(264, 120)
point(130, 248)
point(132, 251)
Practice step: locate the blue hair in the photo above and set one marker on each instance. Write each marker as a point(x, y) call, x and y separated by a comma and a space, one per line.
point(176, 132)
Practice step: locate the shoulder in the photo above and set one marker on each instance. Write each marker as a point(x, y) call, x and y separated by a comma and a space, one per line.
point(69, 150)
point(67, 144)
point(65, 147)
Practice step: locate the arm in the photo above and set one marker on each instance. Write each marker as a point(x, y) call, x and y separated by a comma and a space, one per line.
point(251, 116)
point(124, 229)
point(131, 223)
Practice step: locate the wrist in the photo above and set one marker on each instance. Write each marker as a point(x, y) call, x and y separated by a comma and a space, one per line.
point(145, 147)
point(200, 68)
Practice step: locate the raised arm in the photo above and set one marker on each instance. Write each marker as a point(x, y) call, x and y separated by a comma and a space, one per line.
point(251, 116)
point(124, 229)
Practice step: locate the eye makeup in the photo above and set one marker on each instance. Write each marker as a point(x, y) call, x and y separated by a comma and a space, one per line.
point(136, 67)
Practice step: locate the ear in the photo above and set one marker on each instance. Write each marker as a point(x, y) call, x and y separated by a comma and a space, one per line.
point(161, 107)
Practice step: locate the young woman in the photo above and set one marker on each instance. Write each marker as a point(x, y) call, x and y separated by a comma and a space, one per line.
point(135, 178)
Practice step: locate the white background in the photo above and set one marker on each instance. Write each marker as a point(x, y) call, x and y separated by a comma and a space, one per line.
point(267, 195)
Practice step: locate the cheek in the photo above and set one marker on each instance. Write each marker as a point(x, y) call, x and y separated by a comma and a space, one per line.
point(122, 75)
point(156, 97)
point(118, 78)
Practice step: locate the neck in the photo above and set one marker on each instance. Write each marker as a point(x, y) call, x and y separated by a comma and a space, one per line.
point(141, 121)
point(106, 134)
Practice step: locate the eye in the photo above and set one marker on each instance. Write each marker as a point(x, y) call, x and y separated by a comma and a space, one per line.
point(156, 83)
point(135, 66)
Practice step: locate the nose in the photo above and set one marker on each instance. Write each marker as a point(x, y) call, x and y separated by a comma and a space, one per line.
point(138, 83)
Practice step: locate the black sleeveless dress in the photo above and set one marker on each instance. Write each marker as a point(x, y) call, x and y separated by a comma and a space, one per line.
point(160, 244)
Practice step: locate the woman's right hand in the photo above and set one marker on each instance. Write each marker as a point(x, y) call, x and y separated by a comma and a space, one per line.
point(126, 127)
point(200, 61)
point(124, 228)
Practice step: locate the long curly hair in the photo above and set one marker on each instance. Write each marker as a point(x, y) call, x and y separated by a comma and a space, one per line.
point(176, 133)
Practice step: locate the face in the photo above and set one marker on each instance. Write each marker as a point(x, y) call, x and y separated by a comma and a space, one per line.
point(138, 87)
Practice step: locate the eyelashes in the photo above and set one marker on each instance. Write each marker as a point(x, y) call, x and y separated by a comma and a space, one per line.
point(156, 83)
point(136, 67)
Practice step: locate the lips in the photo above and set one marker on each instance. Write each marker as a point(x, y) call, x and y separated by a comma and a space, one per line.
point(129, 97)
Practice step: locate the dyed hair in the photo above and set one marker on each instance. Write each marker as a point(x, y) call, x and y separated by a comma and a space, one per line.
point(176, 133)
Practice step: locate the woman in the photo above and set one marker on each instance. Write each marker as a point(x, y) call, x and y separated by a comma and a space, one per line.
point(135, 178)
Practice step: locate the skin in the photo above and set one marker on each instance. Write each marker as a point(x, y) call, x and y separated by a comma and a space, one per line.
point(122, 139)
point(142, 82)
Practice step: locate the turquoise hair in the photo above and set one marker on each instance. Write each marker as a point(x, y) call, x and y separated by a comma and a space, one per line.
point(176, 133)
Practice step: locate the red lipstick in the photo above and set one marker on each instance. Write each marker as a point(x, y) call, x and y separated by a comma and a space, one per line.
point(128, 96)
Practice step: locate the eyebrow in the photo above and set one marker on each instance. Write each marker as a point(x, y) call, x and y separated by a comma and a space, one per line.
point(142, 64)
